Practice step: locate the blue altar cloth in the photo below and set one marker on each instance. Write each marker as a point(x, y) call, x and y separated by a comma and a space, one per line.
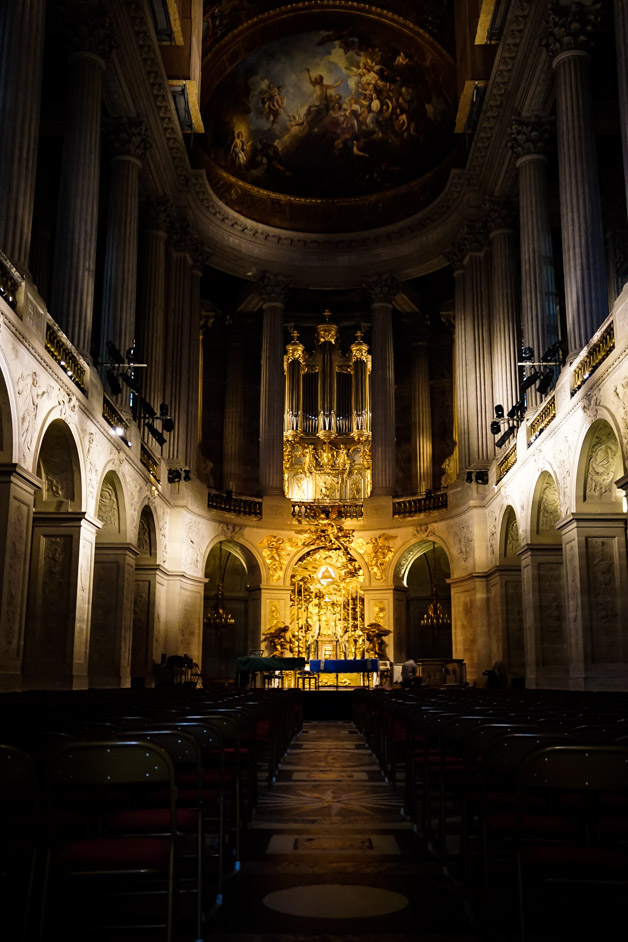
point(363, 665)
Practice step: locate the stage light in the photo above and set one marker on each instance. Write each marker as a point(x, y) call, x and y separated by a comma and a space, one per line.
point(516, 410)
point(114, 353)
point(495, 427)
point(174, 476)
point(503, 438)
point(469, 477)
point(527, 353)
point(186, 475)
point(530, 380)
point(481, 477)
point(114, 385)
point(545, 382)
point(132, 383)
point(163, 408)
point(159, 438)
point(130, 354)
point(499, 411)
point(552, 352)
point(147, 409)
point(167, 425)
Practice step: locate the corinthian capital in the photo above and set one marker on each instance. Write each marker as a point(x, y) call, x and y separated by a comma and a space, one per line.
point(87, 29)
point(126, 137)
point(533, 135)
point(501, 214)
point(569, 28)
point(382, 289)
point(273, 288)
point(157, 214)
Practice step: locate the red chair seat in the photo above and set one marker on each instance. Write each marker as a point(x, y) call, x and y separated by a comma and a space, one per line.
point(566, 858)
point(531, 825)
point(118, 854)
point(153, 821)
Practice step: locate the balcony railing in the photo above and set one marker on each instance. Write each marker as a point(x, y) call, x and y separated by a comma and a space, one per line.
point(600, 348)
point(542, 419)
point(113, 416)
point(309, 510)
point(150, 462)
point(413, 506)
point(506, 462)
point(231, 504)
point(63, 354)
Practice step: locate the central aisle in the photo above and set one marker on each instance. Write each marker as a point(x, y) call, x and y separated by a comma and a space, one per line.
point(329, 856)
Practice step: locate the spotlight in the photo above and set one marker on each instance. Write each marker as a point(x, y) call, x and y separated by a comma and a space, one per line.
point(503, 438)
point(147, 409)
point(499, 411)
point(114, 385)
point(130, 354)
point(132, 383)
point(167, 425)
point(495, 427)
point(163, 408)
point(174, 476)
point(114, 353)
point(186, 475)
point(159, 438)
point(481, 477)
point(517, 410)
point(527, 353)
point(552, 352)
point(469, 477)
point(546, 381)
point(530, 380)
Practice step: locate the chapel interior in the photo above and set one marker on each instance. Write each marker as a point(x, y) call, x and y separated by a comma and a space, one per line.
point(313, 347)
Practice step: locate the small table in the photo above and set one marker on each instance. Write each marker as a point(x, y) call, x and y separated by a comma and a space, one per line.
point(304, 677)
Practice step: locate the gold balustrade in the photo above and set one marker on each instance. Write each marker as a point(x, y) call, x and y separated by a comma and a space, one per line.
point(506, 462)
point(595, 355)
point(150, 462)
point(63, 354)
point(542, 419)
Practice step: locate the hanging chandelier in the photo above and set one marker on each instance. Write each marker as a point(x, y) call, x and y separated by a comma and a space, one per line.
point(218, 617)
point(436, 616)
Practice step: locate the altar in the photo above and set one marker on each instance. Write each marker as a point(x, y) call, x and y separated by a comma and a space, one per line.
point(363, 668)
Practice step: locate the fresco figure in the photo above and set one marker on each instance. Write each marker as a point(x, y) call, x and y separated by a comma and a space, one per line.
point(238, 150)
point(272, 102)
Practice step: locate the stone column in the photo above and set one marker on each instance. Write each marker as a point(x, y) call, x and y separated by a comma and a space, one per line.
point(233, 427)
point(381, 291)
point(504, 302)
point(621, 41)
point(194, 356)
point(112, 615)
point(421, 411)
point(22, 24)
point(530, 140)
point(72, 297)
point(461, 427)
point(567, 39)
point(17, 493)
point(475, 359)
point(151, 307)
point(272, 289)
point(543, 616)
point(126, 140)
point(148, 605)
point(178, 336)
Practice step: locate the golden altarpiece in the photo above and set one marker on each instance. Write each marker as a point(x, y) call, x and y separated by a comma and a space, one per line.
point(327, 475)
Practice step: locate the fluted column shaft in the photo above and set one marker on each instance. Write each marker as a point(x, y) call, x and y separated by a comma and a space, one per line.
point(177, 347)
point(272, 400)
point(22, 25)
point(120, 282)
point(421, 415)
point(504, 316)
point(382, 399)
point(233, 427)
point(621, 42)
point(478, 358)
point(538, 280)
point(460, 370)
point(151, 310)
point(72, 301)
point(194, 368)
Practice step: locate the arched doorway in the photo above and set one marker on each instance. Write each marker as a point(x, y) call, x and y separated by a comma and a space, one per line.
point(147, 640)
point(225, 612)
point(428, 604)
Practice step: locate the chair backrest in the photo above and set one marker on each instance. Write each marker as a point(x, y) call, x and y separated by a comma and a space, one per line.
point(110, 762)
point(181, 746)
point(576, 767)
point(504, 756)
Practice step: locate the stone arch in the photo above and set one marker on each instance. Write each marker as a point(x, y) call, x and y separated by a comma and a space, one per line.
point(599, 466)
point(424, 571)
point(510, 537)
point(7, 420)
point(146, 539)
point(233, 578)
point(58, 466)
point(111, 509)
point(545, 510)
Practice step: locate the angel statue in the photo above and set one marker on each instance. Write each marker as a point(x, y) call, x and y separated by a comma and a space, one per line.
point(375, 641)
point(277, 639)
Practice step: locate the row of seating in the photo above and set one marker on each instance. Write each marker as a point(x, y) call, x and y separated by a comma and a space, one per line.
point(509, 790)
point(126, 809)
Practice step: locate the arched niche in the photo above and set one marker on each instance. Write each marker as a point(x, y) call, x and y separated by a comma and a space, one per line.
point(147, 535)
point(226, 594)
point(110, 510)
point(546, 510)
point(59, 469)
point(510, 538)
point(428, 593)
point(599, 466)
point(6, 424)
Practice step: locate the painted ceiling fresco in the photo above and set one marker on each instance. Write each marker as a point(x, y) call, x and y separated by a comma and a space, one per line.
point(336, 113)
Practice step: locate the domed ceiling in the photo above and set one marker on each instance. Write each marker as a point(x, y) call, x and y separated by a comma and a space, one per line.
point(327, 116)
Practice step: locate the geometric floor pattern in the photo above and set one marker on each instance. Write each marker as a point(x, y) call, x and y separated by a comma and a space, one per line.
point(329, 857)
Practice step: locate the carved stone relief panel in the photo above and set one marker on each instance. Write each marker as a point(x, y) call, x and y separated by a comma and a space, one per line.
point(600, 472)
point(83, 600)
point(55, 588)
point(144, 539)
point(606, 645)
point(30, 395)
point(515, 649)
point(141, 615)
point(102, 657)
point(512, 542)
point(15, 563)
point(127, 614)
point(189, 623)
point(549, 507)
point(109, 507)
point(553, 647)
